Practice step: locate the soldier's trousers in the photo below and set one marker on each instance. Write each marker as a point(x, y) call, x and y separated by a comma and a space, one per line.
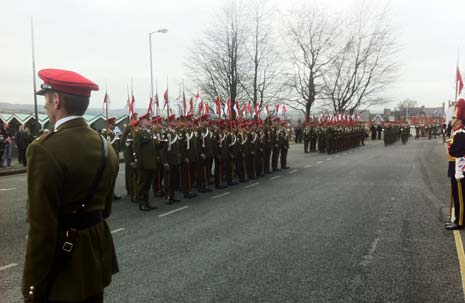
point(266, 159)
point(158, 180)
point(144, 182)
point(283, 157)
point(219, 172)
point(457, 187)
point(229, 170)
point(170, 179)
point(260, 161)
point(313, 145)
point(252, 166)
point(131, 179)
point(306, 143)
point(241, 168)
point(186, 177)
point(274, 158)
point(203, 174)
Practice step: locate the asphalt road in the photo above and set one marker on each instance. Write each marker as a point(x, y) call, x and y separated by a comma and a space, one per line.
point(360, 226)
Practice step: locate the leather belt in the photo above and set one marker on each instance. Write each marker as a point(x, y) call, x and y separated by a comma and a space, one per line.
point(80, 220)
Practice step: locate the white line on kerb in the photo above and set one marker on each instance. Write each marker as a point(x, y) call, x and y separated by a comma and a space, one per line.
point(173, 211)
point(293, 171)
point(117, 230)
point(252, 185)
point(275, 177)
point(319, 162)
point(221, 195)
point(5, 189)
point(8, 266)
point(308, 165)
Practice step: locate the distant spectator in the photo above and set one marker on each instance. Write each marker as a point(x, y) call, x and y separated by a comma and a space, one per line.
point(23, 139)
point(7, 141)
point(380, 130)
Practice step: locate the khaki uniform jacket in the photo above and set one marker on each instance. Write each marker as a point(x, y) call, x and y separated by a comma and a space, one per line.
point(144, 150)
point(61, 168)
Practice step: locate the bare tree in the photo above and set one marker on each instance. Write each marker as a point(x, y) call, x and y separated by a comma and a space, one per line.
point(217, 62)
point(261, 83)
point(365, 64)
point(407, 103)
point(310, 38)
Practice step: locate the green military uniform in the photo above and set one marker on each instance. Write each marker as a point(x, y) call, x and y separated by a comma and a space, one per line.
point(127, 141)
point(61, 168)
point(283, 144)
point(146, 165)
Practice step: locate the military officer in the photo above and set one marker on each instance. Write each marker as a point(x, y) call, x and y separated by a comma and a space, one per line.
point(71, 176)
point(128, 152)
point(283, 144)
point(145, 160)
point(455, 172)
point(170, 160)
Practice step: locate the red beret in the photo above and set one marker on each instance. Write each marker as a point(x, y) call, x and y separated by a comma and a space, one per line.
point(145, 116)
point(156, 119)
point(111, 120)
point(460, 109)
point(66, 82)
point(171, 118)
point(134, 123)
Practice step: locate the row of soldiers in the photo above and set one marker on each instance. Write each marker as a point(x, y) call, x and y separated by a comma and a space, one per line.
point(171, 154)
point(333, 138)
point(396, 132)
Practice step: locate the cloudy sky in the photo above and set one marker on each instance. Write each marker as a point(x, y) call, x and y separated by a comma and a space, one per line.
point(107, 41)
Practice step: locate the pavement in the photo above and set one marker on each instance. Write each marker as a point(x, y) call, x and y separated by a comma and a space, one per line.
point(364, 225)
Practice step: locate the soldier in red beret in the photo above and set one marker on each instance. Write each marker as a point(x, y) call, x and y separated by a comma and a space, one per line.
point(71, 176)
point(456, 149)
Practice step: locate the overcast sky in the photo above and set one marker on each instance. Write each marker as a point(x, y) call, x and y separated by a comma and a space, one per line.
point(107, 41)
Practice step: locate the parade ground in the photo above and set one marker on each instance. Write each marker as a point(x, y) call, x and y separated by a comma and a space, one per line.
point(366, 225)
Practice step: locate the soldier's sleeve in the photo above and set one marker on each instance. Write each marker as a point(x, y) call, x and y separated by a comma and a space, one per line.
point(114, 167)
point(137, 144)
point(43, 211)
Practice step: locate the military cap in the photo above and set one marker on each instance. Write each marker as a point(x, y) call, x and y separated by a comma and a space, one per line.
point(156, 119)
point(460, 109)
point(145, 116)
point(66, 82)
point(111, 120)
point(171, 118)
point(134, 123)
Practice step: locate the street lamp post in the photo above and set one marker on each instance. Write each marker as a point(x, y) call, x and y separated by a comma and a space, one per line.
point(162, 31)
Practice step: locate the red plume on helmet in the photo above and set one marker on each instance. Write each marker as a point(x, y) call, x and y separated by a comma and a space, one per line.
point(461, 109)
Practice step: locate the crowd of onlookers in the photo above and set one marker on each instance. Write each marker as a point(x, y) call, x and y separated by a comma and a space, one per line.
point(21, 140)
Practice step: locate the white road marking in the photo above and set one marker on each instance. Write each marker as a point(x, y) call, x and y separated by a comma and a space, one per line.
point(173, 211)
point(275, 177)
point(308, 165)
point(319, 162)
point(329, 159)
point(252, 185)
point(293, 171)
point(5, 189)
point(336, 156)
point(22, 179)
point(8, 266)
point(221, 195)
point(117, 230)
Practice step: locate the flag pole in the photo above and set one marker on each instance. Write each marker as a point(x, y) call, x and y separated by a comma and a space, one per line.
point(167, 99)
point(106, 104)
point(456, 74)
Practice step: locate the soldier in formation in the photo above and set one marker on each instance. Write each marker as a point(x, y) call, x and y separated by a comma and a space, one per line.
point(180, 154)
point(333, 137)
